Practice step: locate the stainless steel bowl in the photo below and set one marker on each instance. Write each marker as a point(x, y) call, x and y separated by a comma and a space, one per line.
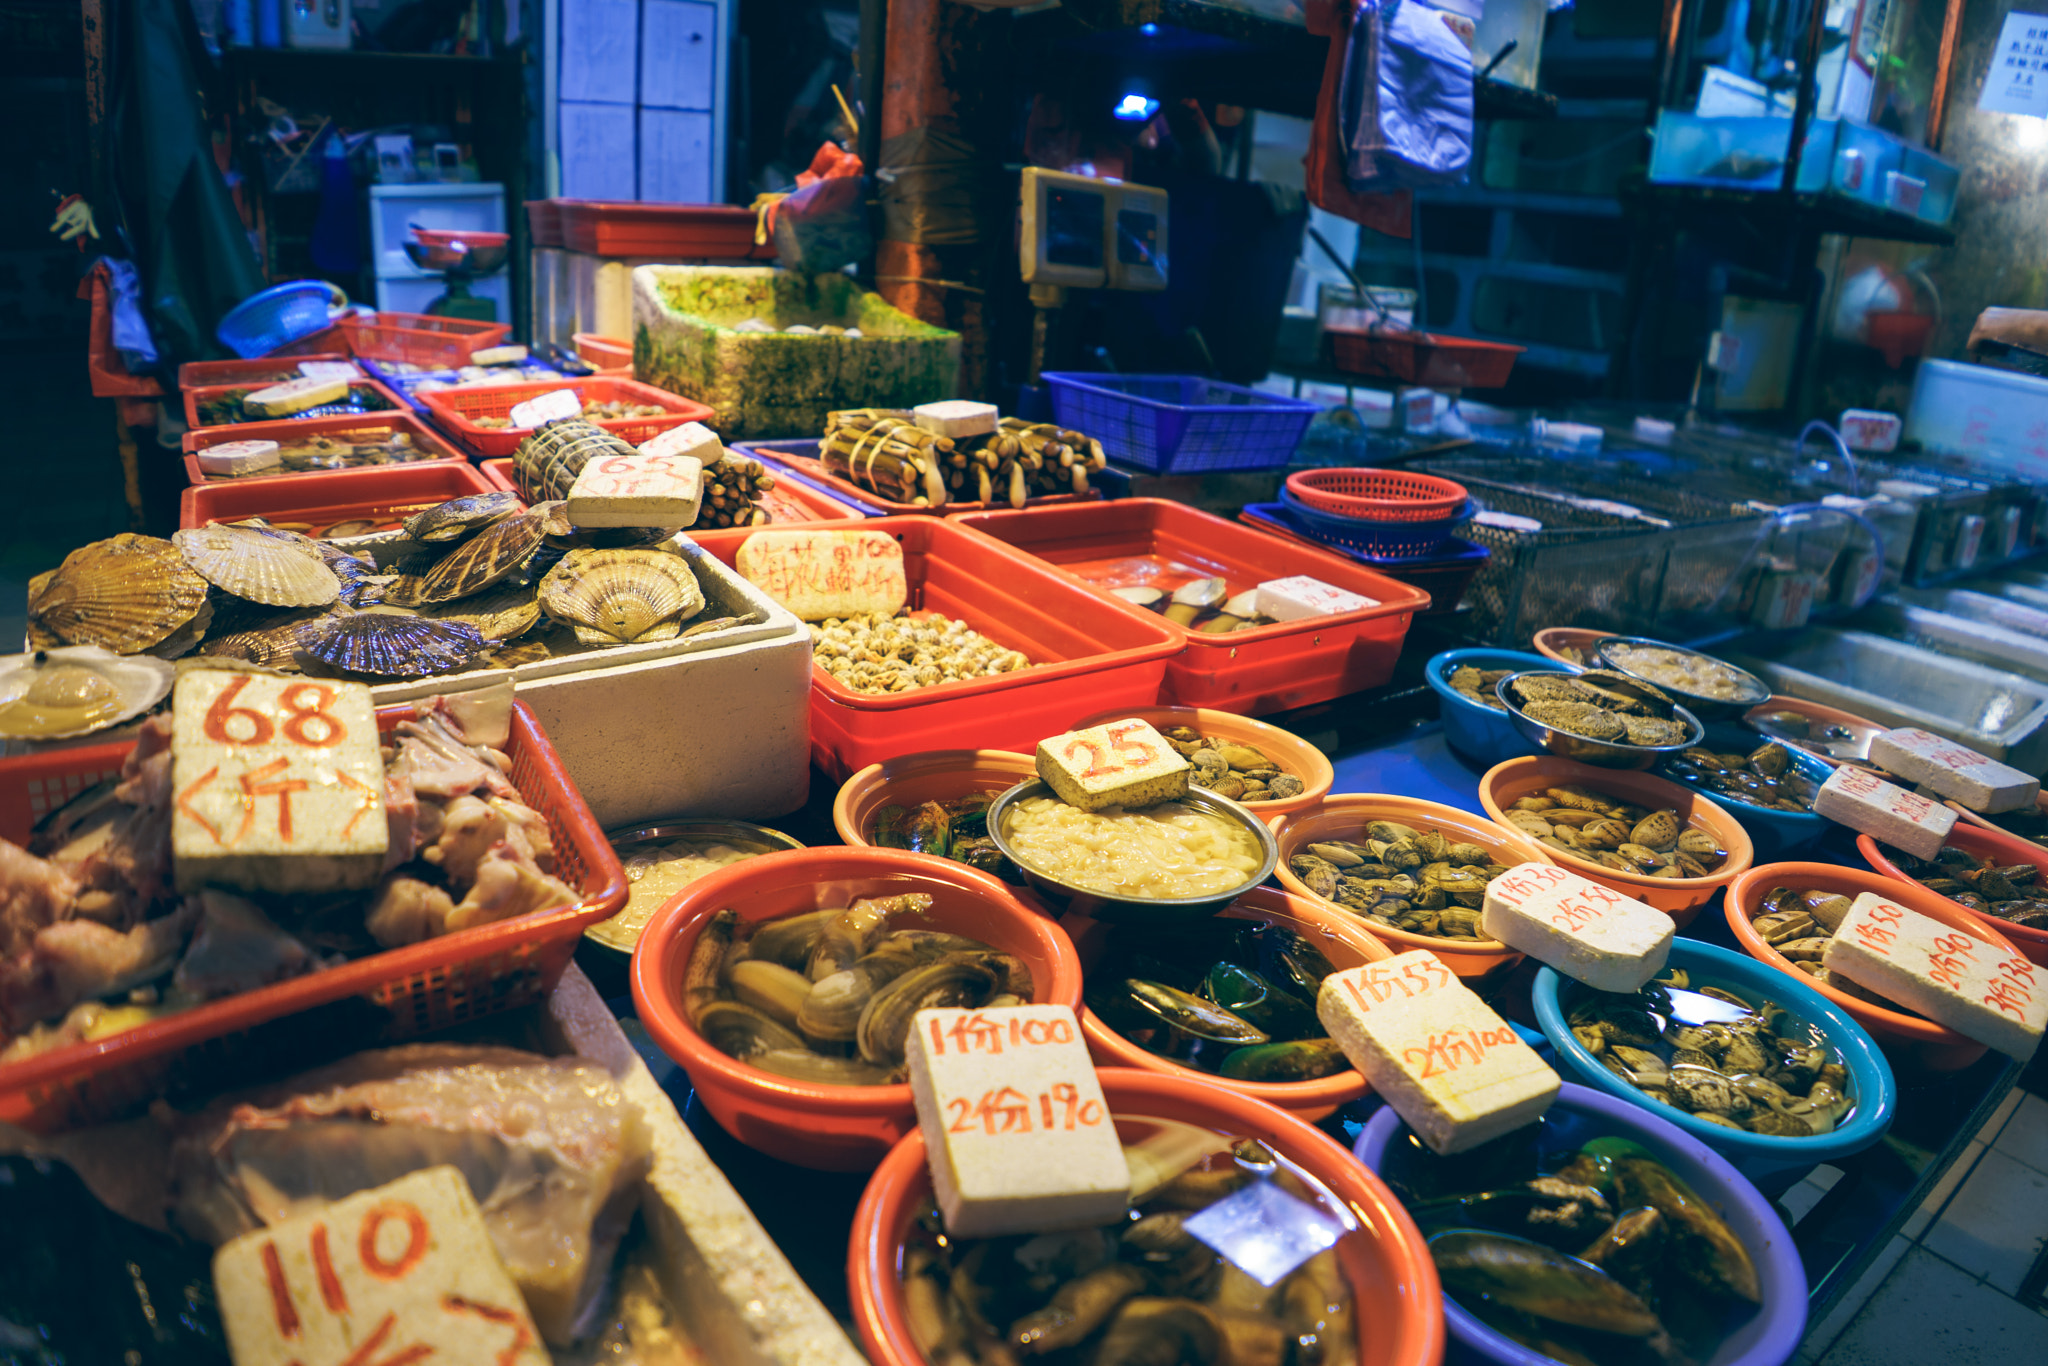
point(1705, 708)
point(614, 934)
point(1601, 753)
point(1137, 910)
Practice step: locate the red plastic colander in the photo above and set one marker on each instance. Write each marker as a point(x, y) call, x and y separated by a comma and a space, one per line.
point(1377, 495)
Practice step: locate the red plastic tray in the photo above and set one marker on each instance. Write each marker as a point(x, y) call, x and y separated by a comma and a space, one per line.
point(813, 468)
point(420, 338)
point(379, 999)
point(788, 501)
point(269, 369)
point(677, 230)
point(607, 355)
point(374, 426)
point(384, 494)
point(199, 394)
point(1423, 358)
point(1154, 542)
point(1092, 654)
point(455, 409)
point(1445, 583)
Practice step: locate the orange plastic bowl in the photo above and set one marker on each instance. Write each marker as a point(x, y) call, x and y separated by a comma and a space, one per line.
point(1552, 642)
point(2001, 848)
point(1679, 897)
point(1294, 754)
point(1399, 1302)
point(1814, 711)
point(1341, 937)
point(832, 1128)
point(1344, 817)
point(1907, 1038)
point(936, 775)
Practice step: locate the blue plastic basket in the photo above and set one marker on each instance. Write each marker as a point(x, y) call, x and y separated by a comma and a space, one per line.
point(279, 316)
point(1180, 424)
point(1395, 540)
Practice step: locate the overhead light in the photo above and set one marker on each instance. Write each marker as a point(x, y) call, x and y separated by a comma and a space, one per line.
point(1148, 29)
point(1135, 108)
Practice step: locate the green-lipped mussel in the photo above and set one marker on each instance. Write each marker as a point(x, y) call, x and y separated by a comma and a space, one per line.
point(956, 830)
point(1232, 997)
point(1139, 1292)
point(827, 996)
point(1716, 1056)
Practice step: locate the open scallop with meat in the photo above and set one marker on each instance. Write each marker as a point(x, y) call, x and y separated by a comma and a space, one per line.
point(613, 597)
point(260, 565)
point(57, 694)
point(125, 594)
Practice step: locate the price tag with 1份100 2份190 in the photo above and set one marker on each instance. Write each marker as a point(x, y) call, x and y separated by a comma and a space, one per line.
point(1015, 1128)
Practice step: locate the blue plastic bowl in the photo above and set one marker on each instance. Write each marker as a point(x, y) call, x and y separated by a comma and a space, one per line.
point(1580, 1114)
point(1778, 835)
point(278, 316)
point(1481, 734)
point(1774, 1164)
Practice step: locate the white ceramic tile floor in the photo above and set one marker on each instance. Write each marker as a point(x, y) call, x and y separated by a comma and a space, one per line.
point(1821, 1336)
point(1929, 1312)
point(1994, 1226)
point(2025, 1136)
point(1917, 1222)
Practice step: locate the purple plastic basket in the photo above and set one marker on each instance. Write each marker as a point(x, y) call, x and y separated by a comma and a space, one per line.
point(1180, 424)
point(1772, 1334)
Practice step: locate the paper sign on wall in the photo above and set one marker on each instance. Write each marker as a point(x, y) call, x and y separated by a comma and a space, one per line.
point(2017, 82)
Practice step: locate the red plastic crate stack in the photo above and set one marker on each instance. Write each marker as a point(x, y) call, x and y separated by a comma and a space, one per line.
point(456, 410)
point(206, 392)
point(368, 427)
point(383, 495)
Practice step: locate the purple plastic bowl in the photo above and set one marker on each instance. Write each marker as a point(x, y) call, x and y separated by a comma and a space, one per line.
point(1771, 1336)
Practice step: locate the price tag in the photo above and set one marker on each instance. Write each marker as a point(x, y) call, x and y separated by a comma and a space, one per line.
point(1015, 1127)
point(1452, 1068)
point(1302, 596)
point(401, 1274)
point(637, 490)
point(294, 396)
point(692, 439)
point(1869, 805)
point(819, 574)
point(330, 369)
point(1586, 931)
point(277, 784)
point(1953, 770)
point(1973, 986)
point(1124, 763)
point(547, 407)
point(239, 457)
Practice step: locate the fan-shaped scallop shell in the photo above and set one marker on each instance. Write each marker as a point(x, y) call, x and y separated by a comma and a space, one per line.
point(613, 597)
point(257, 564)
point(256, 636)
point(391, 645)
point(482, 560)
point(54, 694)
point(458, 517)
point(124, 594)
point(500, 613)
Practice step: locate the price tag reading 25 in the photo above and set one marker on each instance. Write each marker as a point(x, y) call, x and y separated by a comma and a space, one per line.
point(1124, 749)
point(276, 783)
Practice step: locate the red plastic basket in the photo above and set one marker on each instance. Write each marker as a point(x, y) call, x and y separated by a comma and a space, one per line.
point(272, 369)
point(384, 495)
point(813, 469)
point(380, 999)
point(420, 338)
point(369, 427)
point(671, 230)
point(1378, 495)
point(1423, 358)
point(457, 409)
point(1155, 542)
point(1092, 654)
point(203, 393)
point(608, 355)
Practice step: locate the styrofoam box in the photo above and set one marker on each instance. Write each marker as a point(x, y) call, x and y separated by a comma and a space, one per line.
point(1960, 409)
point(715, 725)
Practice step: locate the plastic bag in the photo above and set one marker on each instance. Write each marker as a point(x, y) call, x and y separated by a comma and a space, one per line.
point(823, 225)
point(1328, 190)
point(1406, 101)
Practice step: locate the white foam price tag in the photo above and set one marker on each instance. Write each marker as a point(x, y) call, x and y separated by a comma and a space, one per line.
point(1016, 1130)
point(1123, 763)
point(330, 369)
point(1302, 596)
point(1586, 931)
point(637, 490)
point(1953, 770)
point(819, 574)
point(547, 407)
point(1869, 805)
point(1971, 985)
point(691, 439)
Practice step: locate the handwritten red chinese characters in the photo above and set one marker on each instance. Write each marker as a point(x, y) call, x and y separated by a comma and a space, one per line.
point(1977, 988)
point(1584, 930)
point(819, 574)
point(276, 783)
point(1015, 1126)
point(401, 1274)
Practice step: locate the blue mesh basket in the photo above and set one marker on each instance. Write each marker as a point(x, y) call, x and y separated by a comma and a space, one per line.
point(279, 316)
point(1180, 424)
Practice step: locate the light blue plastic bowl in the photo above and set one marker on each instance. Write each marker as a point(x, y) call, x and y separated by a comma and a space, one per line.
point(1778, 835)
point(1579, 1115)
point(1773, 1164)
point(1481, 734)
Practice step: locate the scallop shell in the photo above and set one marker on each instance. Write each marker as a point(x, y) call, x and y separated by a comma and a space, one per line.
point(391, 645)
point(186, 638)
point(56, 694)
point(260, 564)
point(613, 597)
point(459, 517)
point(125, 594)
point(500, 614)
point(270, 638)
point(482, 560)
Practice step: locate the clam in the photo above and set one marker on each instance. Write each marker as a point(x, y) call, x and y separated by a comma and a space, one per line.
point(123, 594)
point(492, 554)
point(613, 597)
point(1195, 597)
point(1583, 719)
point(958, 979)
point(499, 614)
point(260, 564)
point(52, 694)
point(460, 517)
point(390, 645)
point(742, 1032)
point(1658, 830)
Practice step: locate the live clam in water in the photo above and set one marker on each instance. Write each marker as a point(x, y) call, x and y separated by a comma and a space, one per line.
point(2011, 892)
point(125, 594)
point(1798, 922)
point(56, 694)
point(1766, 776)
point(1421, 881)
point(1592, 826)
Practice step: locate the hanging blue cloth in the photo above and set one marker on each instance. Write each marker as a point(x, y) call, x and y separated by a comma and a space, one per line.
point(1406, 98)
point(130, 324)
